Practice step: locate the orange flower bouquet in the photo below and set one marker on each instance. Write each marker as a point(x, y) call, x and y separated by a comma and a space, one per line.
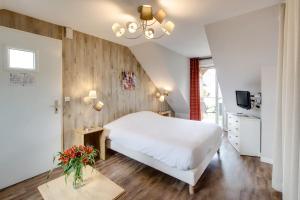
point(74, 159)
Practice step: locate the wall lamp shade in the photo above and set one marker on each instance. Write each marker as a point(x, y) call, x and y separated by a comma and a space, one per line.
point(92, 94)
point(118, 29)
point(168, 27)
point(162, 98)
point(146, 12)
point(160, 15)
point(98, 106)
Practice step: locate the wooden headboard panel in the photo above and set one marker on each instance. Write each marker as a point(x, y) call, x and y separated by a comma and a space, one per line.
point(94, 63)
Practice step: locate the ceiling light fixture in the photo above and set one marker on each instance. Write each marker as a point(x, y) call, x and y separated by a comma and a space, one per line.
point(118, 29)
point(146, 25)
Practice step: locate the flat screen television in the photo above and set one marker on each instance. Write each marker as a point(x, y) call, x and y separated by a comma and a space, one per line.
point(243, 99)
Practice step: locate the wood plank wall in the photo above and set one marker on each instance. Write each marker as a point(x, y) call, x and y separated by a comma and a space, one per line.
point(92, 63)
point(24, 23)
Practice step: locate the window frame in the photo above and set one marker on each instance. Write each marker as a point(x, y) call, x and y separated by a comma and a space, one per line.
point(6, 53)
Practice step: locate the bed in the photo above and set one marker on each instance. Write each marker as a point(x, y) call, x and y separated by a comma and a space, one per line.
point(178, 147)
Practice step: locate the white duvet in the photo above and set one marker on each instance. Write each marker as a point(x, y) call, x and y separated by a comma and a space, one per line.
point(176, 142)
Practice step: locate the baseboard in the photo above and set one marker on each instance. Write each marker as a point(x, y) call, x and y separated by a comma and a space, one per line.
point(266, 160)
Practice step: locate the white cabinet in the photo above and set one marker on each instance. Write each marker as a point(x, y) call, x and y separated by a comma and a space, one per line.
point(244, 134)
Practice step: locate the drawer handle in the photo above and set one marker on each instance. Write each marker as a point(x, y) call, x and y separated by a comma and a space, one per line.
point(236, 144)
point(236, 121)
point(236, 136)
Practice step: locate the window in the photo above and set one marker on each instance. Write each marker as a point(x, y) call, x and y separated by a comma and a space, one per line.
point(21, 59)
point(211, 96)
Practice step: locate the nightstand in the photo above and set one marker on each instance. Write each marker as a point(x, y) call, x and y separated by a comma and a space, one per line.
point(167, 113)
point(91, 136)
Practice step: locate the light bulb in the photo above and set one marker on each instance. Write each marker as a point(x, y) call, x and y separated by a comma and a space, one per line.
point(118, 29)
point(132, 27)
point(115, 27)
point(120, 32)
point(149, 33)
point(162, 98)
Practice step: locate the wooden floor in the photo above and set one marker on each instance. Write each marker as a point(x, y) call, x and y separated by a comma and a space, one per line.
point(229, 176)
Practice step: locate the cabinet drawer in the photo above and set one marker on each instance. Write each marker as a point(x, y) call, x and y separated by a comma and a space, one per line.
point(235, 141)
point(233, 131)
point(236, 130)
point(233, 119)
point(233, 126)
point(233, 123)
point(236, 145)
point(234, 138)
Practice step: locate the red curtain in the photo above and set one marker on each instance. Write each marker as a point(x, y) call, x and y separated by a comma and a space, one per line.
point(195, 112)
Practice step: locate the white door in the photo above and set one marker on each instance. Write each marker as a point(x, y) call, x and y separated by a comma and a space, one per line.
point(30, 129)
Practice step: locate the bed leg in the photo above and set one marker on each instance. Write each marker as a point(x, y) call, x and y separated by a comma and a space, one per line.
point(218, 151)
point(191, 189)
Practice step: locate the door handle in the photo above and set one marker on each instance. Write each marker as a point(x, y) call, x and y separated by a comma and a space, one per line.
point(56, 106)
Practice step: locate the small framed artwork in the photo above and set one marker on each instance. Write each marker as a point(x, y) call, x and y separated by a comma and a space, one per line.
point(128, 80)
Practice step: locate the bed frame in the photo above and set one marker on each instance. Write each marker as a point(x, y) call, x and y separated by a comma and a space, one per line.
point(190, 177)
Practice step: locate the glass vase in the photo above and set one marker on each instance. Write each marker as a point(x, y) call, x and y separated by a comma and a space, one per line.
point(78, 178)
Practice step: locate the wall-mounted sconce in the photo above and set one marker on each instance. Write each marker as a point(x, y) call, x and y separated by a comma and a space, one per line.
point(93, 94)
point(157, 94)
point(67, 99)
point(91, 99)
point(162, 96)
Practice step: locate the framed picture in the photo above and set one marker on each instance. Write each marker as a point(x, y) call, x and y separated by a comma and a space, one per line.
point(128, 80)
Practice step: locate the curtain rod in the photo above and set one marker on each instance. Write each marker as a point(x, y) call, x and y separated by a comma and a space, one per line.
point(204, 58)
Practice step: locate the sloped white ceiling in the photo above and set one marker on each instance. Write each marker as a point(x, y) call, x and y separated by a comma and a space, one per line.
point(96, 17)
point(240, 47)
point(168, 70)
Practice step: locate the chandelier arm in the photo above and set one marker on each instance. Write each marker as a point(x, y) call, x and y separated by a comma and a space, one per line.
point(152, 23)
point(140, 23)
point(139, 27)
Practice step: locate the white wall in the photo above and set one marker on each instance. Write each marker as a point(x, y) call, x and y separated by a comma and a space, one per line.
point(168, 70)
point(30, 130)
point(240, 46)
point(268, 88)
